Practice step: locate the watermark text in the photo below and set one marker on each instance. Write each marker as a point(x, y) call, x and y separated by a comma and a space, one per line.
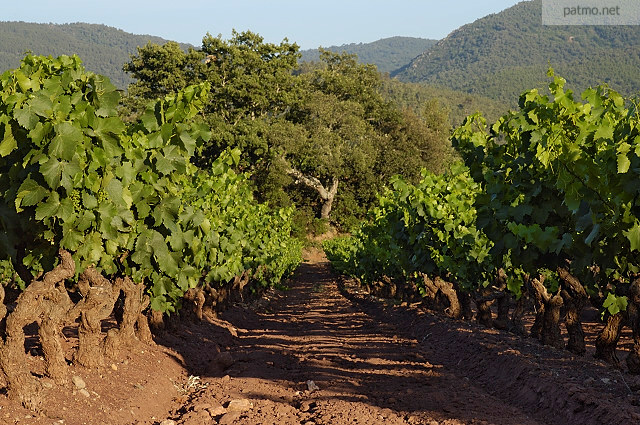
point(590, 12)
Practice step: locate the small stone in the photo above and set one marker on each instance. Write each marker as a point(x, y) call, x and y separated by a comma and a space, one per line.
point(47, 384)
point(78, 382)
point(113, 366)
point(226, 378)
point(229, 418)
point(606, 380)
point(239, 405)
point(311, 386)
point(216, 409)
point(168, 422)
point(196, 418)
point(84, 392)
point(201, 406)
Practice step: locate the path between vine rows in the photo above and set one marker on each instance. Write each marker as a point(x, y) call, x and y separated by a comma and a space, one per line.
point(368, 363)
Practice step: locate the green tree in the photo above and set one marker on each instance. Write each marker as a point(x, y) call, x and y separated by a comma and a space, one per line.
point(159, 71)
point(312, 137)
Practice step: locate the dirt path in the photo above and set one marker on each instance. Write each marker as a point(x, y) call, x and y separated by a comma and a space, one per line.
point(365, 371)
point(324, 353)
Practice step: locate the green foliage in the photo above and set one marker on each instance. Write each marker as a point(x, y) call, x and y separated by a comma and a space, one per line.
point(300, 133)
point(560, 179)
point(426, 228)
point(614, 304)
point(160, 70)
point(125, 198)
point(553, 185)
point(342, 251)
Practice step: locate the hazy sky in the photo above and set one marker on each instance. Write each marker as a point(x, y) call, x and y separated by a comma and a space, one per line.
point(309, 23)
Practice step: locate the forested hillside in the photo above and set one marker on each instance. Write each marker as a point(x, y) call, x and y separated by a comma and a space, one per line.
point(103, 49)
point(458, 104)
point(388, 54)
point(501, 55)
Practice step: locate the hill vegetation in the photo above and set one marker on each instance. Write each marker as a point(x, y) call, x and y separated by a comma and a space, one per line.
point(103, 49)
point(458, 104)
point(501, 55)
point(388, 54)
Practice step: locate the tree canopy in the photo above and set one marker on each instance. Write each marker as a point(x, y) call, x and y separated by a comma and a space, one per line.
point(323, 138)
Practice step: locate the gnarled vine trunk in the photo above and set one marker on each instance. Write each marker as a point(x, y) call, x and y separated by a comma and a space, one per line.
point(516, 323)
point(46, 302)
point(607, 341)
point(483, 307)
point(99, 298)
point(439, 287)
point(574, 297)
point(134, 303)
point(547, 324)
point(633, 312)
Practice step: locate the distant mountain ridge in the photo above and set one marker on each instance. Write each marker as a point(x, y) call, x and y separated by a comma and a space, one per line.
point(388, 54)
point(496, 57)
point(503, 54)
point(103, 49)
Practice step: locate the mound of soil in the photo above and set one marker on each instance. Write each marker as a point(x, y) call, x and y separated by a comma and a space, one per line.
point(322, 352)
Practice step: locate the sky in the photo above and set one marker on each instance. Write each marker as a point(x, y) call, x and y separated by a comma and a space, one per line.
point(308, 23)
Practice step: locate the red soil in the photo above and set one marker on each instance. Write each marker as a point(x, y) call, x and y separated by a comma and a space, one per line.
point(369, 363)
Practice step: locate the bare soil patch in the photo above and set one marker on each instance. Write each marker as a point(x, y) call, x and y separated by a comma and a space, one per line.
point(323, 352)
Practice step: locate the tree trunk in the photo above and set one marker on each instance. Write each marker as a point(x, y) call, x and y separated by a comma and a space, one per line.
point(538, 304)
point(156, 321)
point(134, 303)
point(516, 324)
point(551, 330)
point(633, 312)
point(438, 286)
point(100, 296)
point(46, 302)
point(574, 297)
point(504, 301)
point(326, 194)
point(465, 303)
point(143, 331)
point(608, 340)
point(549, 321)
point(483, 305)
point(192, 304)
point(504, 305)
point(328, 202)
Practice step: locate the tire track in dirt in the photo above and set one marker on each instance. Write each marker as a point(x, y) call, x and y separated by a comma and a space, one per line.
point(365, 370)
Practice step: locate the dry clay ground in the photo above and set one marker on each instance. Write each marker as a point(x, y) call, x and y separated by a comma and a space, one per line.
point(317, 356)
